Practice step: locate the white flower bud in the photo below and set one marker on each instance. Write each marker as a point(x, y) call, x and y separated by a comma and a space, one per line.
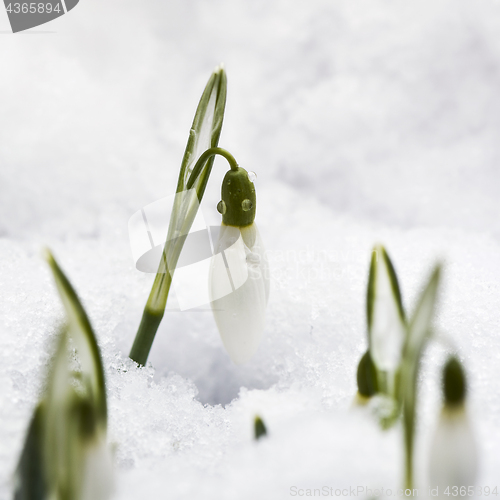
point(453, 460)
point(240, 314)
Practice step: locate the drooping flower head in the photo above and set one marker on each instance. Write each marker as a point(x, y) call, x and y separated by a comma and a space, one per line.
point(453, 460)
point(239, 274)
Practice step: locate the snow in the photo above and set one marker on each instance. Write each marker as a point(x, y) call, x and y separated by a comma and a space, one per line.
point(366, 122)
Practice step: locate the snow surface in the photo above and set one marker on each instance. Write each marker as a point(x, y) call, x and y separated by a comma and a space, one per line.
point(375, 121)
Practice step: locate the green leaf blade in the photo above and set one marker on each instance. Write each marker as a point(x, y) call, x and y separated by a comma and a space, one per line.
point(204, 134)
point(30, 474)
point(385, 319)
point(419, 332)
point(70, 422)
point(80, 330)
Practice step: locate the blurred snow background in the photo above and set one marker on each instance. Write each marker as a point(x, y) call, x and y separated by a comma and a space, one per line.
point(366, 122)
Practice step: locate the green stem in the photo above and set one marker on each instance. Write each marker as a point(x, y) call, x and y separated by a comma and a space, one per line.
point(145, 335)
point(155, 308)
point(409, 434)
point(409, 469)
point(202, 160)
point(383, 382)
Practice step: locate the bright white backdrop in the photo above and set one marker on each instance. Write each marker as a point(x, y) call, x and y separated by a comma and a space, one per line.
point(370, 121)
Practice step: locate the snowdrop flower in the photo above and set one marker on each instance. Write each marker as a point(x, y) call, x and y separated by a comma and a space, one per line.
point(453, 460)
point(386, 319)
point(66, 455)
point(239, 274)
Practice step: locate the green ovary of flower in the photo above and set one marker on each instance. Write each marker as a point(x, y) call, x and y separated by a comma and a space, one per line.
point(238, 199)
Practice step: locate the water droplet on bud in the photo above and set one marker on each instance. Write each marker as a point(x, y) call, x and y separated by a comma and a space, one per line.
point(246, 205)
point(252, 176)
point(221, 207)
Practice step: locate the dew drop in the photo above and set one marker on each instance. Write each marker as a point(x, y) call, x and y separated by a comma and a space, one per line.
point(221, 207)
point(246, 205)
point(252, 176)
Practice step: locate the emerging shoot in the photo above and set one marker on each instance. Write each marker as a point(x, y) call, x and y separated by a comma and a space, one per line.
point(385, 319)
point(193, 177)
point(259, 428)
point(65, 455)
point(419, 331)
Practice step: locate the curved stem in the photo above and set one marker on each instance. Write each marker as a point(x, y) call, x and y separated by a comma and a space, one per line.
point(203, 159)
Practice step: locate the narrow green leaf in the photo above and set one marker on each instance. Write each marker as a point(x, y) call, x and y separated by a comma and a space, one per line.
point(30, 473)
point(70, 421)
point(81, 333)
point(370, 293)
point(207, 125)
point(204, 134)
point(393, 280)
point(419, 325)
point(385, 318)
point(419, 331)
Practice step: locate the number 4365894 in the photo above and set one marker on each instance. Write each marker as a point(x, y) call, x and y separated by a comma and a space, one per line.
point(463, 491)
point(33, 8)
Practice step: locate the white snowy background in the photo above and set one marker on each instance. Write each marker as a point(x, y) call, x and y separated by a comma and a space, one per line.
point(374, 121)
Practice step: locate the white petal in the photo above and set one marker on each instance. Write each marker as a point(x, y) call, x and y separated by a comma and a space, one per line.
point(240, 314)
point(453, 460)
point(387, 331)
point(98, 473)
